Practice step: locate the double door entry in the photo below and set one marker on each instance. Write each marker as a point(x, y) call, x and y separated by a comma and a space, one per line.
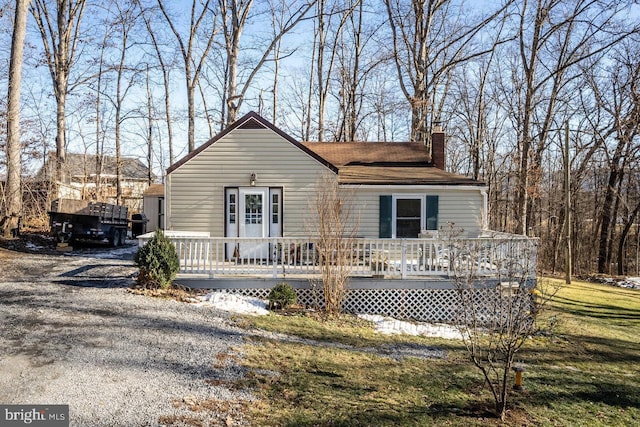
point(252, 212)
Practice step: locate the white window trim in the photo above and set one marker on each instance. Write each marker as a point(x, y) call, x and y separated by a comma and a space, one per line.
point(394, 209)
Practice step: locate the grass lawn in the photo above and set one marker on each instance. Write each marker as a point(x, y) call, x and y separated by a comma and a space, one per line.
point(584, 370)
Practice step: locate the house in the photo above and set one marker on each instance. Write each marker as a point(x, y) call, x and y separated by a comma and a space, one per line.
point(237, 210)
point(254, 180)
point(88, 176)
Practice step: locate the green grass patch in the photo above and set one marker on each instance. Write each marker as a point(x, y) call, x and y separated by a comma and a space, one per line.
point(582, 371)
point(347, 330)
point(587, 372)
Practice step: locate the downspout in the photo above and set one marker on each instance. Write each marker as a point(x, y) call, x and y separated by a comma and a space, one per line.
point(485, 209)
point(167, 203)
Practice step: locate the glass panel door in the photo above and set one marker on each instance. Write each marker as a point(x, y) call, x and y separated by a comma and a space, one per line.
point(254, 222)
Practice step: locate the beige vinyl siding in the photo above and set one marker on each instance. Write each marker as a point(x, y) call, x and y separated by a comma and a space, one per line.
point(461, 206)
point(195, 191)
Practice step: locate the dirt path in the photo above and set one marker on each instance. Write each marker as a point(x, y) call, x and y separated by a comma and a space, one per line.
point(72, 334)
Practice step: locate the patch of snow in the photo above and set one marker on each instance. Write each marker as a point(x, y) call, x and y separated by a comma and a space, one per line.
point(388, 325)
point(33, 247)
point(241, 304)
point(124, 252)
point(235, 303)
point(630, 283)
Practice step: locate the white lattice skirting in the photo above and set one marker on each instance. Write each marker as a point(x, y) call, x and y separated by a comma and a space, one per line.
point(425, 305)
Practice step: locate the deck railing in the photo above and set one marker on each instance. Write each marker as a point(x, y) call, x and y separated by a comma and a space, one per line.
point(393, 258)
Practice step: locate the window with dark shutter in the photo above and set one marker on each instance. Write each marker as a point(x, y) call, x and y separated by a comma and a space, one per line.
point(432, 213)
point(386, 216)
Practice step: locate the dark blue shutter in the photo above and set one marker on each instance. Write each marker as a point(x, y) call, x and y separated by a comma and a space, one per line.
point(385, 217)
point(432, 212)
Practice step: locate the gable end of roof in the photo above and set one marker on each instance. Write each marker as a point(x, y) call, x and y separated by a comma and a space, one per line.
point(251, 120)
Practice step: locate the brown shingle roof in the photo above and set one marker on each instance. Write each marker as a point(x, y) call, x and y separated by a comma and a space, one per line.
point(154, 190)
point(352, 153)
point(385, 163)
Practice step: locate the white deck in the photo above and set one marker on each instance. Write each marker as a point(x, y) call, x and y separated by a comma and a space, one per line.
point(497, 256)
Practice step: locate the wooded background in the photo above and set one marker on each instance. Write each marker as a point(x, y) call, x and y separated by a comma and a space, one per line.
point(157, 78)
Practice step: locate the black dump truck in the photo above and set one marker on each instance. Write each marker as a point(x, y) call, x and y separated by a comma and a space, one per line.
point(72, 220)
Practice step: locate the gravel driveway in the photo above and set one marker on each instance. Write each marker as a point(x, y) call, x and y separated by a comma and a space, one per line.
point(72, 334)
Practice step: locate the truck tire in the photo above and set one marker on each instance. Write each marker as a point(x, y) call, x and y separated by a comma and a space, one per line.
point(123, 237)
point(114, 240)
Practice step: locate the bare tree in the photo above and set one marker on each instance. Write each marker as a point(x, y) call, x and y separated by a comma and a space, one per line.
point(326, 52)
point(235, 15)
point(429, 40)
point(192, 57)
point(472, 105)
point(99, 131)
point(9, 219)
point(553, 39)
point(150, 121)
point(618, 99)
point(126, 17)
point(496, 318)
point(165, 69)
point(278, 17)
point(358, 59)
point(335, 225)
point(59, 24)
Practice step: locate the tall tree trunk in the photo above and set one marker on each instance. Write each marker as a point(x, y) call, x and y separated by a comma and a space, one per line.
point(234, 18)
point(235, 14)
point(353, 106)
point(167, 112)
point(606, 222)
point(623, 239)
point(188, 56)
point(323, 81)
point(207, 115)
point(165, 82)
point(118, 120)
point(99, 133)
point(149, 130)
point(60, 37)
point(13, 191)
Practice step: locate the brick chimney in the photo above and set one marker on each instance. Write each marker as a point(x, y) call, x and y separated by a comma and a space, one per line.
point(437, 146)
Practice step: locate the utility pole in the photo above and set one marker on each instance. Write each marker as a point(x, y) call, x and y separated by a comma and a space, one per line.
point(567, 204)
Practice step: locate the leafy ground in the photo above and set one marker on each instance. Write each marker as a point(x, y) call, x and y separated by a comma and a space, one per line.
point(582, 370)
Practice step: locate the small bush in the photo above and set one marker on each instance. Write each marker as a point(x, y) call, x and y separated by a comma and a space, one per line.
point(282, 296)
point(158, 262)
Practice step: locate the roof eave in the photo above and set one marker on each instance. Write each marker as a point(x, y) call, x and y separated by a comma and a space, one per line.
point(408, 183)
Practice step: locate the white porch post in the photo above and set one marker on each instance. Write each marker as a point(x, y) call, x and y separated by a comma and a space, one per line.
point(403, 258)
point(485, 210)
point(274, 257)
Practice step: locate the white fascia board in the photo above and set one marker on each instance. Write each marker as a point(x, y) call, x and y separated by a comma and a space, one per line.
point(391, 187)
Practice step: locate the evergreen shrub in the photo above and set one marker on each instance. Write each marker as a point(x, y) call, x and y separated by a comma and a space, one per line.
point(282, 296)
point(158, 262)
